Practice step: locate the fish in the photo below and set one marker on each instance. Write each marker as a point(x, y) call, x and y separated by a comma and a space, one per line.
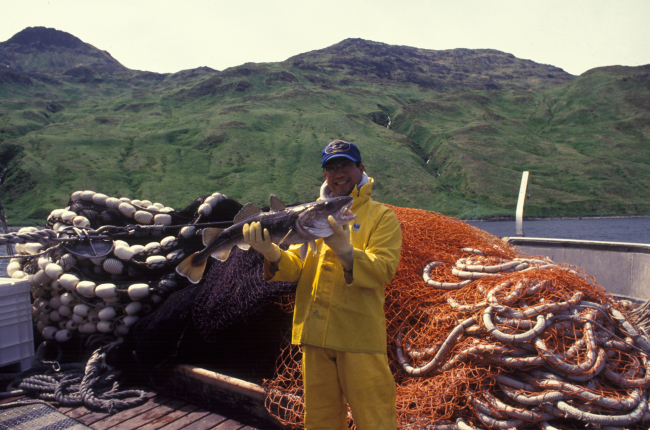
point(303, 223)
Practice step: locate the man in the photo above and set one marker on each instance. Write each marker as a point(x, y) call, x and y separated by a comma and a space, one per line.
point(339, 312)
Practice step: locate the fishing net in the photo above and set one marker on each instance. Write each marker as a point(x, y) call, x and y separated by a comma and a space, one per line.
point(481, 335)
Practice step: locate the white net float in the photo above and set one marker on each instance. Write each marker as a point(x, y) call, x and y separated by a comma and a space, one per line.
point(143, 217)
point(44, 317)
point(128, 321)
point(218, 196)
point(138, 291)
point(56, 286)
point(76, 196)
point(13, 267)
point(133, 308)
point(205, 209)
point(68, 216)
point(78, 318)
point(20, 248)
point(80, 221)
point(62, 323)
point(188, 231)
point(41, 278)
point(121, 330)
point(56, 213)
point(40, 326)
point(211, 200)
point(55, 316)
point(18, 274)
point(125, 199)
point(58, 226)
point(49, 332)
point(67, 298)
point(33, 248)
point(98, 261)
point(105, 326)
point(175, 255)
point(136, 202)
point(120, 243)
point(107, 313)
point(162, 219)
point(71, 325)
point(100, 199)
point(87, 196)
point(113, 203)
point(88, 328)
point(86, 288)
point(126, 209)
point(123, 253)
point(93, 316)
point(113, 265)
point(81, 310)
point(55, 302)
point(166, 210)
point(168, 243)
point(69, 281)
point(145, 203)
point(137, 249)
point(53, 270)
point(158, 205)
point(43, 261)
point(156, 261)
point(111, 300)
point(63, 335)
point(153, 209)
point(152, 248)
point(64, 311)
point(106, 291)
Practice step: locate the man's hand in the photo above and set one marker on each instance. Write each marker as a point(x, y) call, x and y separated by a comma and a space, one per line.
point(339, 242)
point(261, 241)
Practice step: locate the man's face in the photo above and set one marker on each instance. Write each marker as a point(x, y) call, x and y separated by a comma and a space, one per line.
point(342, 175)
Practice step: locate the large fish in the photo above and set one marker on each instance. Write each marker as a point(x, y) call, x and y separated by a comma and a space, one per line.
point(289, 225)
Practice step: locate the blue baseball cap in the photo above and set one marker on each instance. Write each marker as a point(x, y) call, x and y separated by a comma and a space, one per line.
point(341, 149)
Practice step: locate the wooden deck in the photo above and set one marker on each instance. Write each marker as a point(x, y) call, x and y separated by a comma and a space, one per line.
point(159, 412)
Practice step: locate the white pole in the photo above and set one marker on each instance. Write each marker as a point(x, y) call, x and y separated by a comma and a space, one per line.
point(520, 205)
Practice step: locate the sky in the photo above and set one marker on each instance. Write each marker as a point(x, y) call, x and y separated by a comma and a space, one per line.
point(167, 36)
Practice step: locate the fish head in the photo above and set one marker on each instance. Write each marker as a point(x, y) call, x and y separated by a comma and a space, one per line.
point(313, 219)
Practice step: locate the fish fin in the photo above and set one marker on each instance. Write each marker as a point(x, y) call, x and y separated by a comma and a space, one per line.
point(276, 203)
point(189, 270)
point(209, 234)
point(303, 251)
point(312, 246)
point(244, 246)
point(285, 236)
point(249, 210)
point(222, 255)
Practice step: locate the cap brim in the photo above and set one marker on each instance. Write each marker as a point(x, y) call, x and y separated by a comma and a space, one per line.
point(333, 156)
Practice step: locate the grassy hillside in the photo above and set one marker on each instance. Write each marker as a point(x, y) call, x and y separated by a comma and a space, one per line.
point(258, 129)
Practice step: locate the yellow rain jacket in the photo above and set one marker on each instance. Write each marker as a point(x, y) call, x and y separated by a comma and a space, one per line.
point(330, 313)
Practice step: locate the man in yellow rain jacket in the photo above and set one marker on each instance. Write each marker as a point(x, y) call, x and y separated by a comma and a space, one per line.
point(339, 313)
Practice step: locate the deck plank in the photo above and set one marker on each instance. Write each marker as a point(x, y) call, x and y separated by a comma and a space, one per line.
point(229, 425)
point(150, 415)
point(207, 422)
point(112, 420)
point(188, 419)
point(75, 413)
point(170, 418)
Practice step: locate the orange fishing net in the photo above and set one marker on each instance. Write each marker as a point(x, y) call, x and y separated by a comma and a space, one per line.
point(491, 329)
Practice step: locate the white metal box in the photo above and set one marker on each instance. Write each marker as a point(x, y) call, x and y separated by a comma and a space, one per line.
point(16, 332)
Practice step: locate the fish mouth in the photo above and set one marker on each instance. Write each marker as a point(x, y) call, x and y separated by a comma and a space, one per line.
point(345, 214)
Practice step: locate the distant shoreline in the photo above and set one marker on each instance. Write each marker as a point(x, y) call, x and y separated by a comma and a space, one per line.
point(511, 218)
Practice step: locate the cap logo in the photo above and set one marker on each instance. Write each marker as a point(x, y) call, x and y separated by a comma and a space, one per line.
point(337, 146)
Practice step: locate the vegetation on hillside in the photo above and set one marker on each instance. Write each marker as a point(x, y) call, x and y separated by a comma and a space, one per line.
point(464, 125)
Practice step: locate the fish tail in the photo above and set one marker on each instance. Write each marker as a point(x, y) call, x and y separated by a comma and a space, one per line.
point(191, 271)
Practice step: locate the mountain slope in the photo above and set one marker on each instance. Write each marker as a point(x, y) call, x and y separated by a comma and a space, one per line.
point(258, 129)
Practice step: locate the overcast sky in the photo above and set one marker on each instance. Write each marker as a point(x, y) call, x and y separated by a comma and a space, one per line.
point(168, 36)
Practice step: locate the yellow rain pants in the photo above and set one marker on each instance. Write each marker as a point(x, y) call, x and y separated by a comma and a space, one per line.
point(365, 380)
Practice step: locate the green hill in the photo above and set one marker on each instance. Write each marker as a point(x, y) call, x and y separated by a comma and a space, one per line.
point(464, 124)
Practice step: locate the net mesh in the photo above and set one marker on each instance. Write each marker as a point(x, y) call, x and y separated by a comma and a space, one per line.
point(463, 382)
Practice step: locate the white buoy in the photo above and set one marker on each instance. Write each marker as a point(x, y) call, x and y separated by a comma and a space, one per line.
point(58, 226)
point(13, 267)
point(76, 196)
point(100, 199)
point(55, 302)
point(153, 209)
point(78, 319)
point(113, 203)
point(145, 203)
point(137, 249)
point(71, 325)
point(63, 335)
point(156, 261)
point(133, 308)
point(69, 281)
point(158, 205)
point(88, 328)
point(123, 253)
point(130, 320)
point(20, 248)
point(87, 195)
point(136, 202)
point(211, 200)
point(68, 216)
point(138, 291)
point(106, 291)
point(44, 306)
point(67, 261)
point(86, 288)
point(40, 326)
point(162, 219)
point(33, 248)
point(44, 317)
point(55, 316)
point(54, 270)
point(93, 316)
point(205, 209)
point(41, 278)
point(107, 314)
point(80, 221)
point(121, 330)
point(56, 213)
point(43, 261)
point(126, 209)
point(56, 286)
point(175, 255)
point(49, 332)
point(152, 248)
point(105, 326)
point(67, 298)
point(81, 310)
point(168, 243)
point(18, 274)
point(125, 199)
point(64, 311)
point(143, 217)
point(112, 300)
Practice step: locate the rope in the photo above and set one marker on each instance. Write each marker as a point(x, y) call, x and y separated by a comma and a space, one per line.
point(94, 384)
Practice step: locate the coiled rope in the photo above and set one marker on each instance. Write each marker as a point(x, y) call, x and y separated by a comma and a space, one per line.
point(94, 384)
